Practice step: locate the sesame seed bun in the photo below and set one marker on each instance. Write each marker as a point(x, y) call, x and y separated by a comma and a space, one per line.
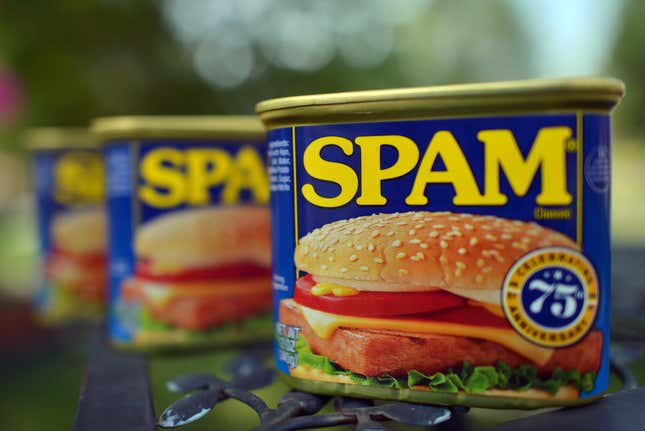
point(80, 231)
point(466, 254)
point(206, 237)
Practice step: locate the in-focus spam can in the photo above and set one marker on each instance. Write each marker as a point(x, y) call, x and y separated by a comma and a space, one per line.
point(69, 192)
point(446, 244)
point(188, 221)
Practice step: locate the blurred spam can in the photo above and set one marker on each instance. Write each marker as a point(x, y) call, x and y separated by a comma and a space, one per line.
point(188, 222)
point(69, 191)
point(446, 244)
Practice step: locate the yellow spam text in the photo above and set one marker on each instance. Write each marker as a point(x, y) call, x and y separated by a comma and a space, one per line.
point(502, 155)
point(173, 177)
point(78, 178)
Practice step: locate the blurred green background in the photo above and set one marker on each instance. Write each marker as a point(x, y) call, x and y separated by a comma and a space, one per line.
point(63, 63)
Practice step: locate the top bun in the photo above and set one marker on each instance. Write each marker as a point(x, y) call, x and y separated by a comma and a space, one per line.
point(416, 251)
point(80, 231)
point(206, 237)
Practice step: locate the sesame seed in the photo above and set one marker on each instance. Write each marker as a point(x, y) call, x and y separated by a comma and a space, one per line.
point(353, 258)
point(412, 232)
point(461, 251)
point(378, 260)
point(370, 247)
point(415, 241)
point(323, 267)
point(396, 243)
point(359, 247)
point(401, 223)
point(486, 253)
point(433, 234)
point(305, 250)
point(403, 271)
point(438, 226)
point(468, 226)
point(423, 245)
point(486, 227)
point(420, 255)
point(479, 278)
point(364, 268)
point(490, 237)
point(390, 233)
point(499, 258)
point(480, 262)
point(330, 258)
point(443, 244)
point(460, 265)
point(453, 218)
point(499, 246)
point(415, 258)
point(400, 255)
point(506, 236)
point(526, 239)
point(458, 272)
point(473, 241)
point(349, 244)
point(443, 259)
point(375, 233)
point(518, 245)
point(487, 269)
point(343, 269)
point(417, 216)
point(418, 226)
point(314, 254)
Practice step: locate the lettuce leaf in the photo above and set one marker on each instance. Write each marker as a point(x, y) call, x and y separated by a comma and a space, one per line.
point(252, 323)
point(468, 378)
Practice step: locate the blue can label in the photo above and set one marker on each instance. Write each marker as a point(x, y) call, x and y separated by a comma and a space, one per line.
point(466, 255)
point(69, 189)
point(189, 241)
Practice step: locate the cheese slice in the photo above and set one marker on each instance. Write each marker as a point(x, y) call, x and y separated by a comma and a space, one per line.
point(324, 324)
point(162, 293)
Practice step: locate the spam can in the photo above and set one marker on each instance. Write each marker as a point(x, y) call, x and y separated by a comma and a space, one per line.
point(445, 245)
point(69, 193)
point(188, 226)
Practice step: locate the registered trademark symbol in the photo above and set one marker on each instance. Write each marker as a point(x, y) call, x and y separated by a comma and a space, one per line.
point(572, 145)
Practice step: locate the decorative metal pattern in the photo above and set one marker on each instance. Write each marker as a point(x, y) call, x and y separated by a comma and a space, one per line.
point(299, 410)
point(296, 410)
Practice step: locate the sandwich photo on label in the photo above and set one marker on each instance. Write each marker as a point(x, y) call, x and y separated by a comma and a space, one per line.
point(200, 268)
point(413, 300)
point(77, 265)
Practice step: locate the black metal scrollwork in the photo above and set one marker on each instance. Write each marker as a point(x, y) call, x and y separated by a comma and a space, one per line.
point(295, 410)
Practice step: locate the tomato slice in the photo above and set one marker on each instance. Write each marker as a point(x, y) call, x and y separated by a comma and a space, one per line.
point(93, 260)
point(375, 304)
point(235, 270)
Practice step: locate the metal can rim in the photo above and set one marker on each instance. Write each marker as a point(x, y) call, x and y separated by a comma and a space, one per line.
point(106, 129)
point(592, 93)
point(57, 138)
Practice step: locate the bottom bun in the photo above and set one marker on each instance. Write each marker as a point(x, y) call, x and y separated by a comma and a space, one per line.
point(564, 393)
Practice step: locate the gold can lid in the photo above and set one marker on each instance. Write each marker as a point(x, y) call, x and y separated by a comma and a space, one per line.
point(536, 95)
point(198, 127)
point(57, 138)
